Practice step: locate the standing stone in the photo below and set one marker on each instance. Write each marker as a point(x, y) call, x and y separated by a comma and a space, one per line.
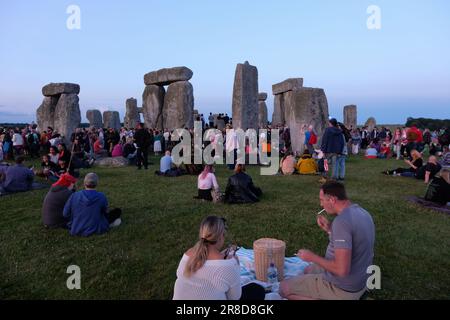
point(371, 123)
point(67, 115)
point(178, 106)
point(111, 119)
point(287, 85)
point(195, 115)
point(132, 117)
point(152, 106)
point(278, 111)
point(262, 114)
point(45, 114)
point(304, 107)
point(262, 96)
point(245, 97)
point(54, 89)
point(350, 116)
point(167, 76)
point(95, 118)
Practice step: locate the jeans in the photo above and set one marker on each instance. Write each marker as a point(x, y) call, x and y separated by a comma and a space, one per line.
point(339, 167)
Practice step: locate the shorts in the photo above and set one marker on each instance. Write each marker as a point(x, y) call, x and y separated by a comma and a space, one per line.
point(313, 285)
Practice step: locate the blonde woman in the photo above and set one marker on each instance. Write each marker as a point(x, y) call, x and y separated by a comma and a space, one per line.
point(207, 273)
point(414, 164)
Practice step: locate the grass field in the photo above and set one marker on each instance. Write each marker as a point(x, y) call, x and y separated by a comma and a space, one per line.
point(138, 260)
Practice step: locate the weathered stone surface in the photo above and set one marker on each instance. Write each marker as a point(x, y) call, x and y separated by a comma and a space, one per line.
point(371, 123)
point(262, 96)
point(95, 118)
point(45, 114)
point(262, 114)
point(245, 97)
point(112, 162)
point(278, 111)
point(67, 115)
point(167, 76)
point(111, 119)
point(53, 89)
point(132, 117)
point(287, 85)
point(152, 106)
point(304, 107)
point(178, 106)
point(350, 116)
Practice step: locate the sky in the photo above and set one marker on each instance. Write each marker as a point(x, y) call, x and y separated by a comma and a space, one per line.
point(397, 71)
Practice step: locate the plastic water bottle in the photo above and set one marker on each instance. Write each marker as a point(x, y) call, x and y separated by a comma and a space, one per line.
point(272, 274)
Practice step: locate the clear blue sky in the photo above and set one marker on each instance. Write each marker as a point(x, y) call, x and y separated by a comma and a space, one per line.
point(399, 71)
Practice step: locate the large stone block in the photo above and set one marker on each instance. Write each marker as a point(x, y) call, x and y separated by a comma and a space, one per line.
point(304, 107)
point(132, 117)
point(350, 116)
point(245, 97)
point(287, 85)
point(262, 114)
point(45, 114)
point(262, 96)
point(67, 115)
point(278, 111)
point(167, 76)
point(152, 106)
point(111, 119)
point(371, 123)
point(178, 106)
point(95, 118)
point(53, 89)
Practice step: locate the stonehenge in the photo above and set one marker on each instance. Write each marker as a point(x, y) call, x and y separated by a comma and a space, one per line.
point(132, 117)
point(60, 109)
point(370, 124)
point(111, 119)
point(169, 109)
point(298, 107)
point(245, 97)
point(95, 118)
point(350, 116)
point(262, 110)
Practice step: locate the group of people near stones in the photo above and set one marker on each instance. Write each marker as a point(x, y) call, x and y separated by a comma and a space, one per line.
point(204, 271)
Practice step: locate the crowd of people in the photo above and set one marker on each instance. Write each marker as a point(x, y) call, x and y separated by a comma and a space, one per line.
point(340, 275)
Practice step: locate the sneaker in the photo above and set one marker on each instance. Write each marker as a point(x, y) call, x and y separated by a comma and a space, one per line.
point(116, 223)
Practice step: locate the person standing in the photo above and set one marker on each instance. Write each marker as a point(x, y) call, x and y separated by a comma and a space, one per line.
point(142, 139)
point(333, 143)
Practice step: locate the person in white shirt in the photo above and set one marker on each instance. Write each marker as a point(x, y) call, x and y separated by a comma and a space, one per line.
point(206, 183)
point(207, 273)
point(17, 141)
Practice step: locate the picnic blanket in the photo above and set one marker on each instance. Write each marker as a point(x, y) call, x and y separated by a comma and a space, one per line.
point(428, 204)
point(293, 266)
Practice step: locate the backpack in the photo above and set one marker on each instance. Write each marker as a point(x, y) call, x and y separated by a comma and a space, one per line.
point(312, 139)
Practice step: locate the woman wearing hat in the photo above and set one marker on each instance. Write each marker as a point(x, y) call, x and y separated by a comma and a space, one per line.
point(56, 198)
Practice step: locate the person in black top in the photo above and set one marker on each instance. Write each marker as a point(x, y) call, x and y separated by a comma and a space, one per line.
point(414, 164)
point(428, 171)
point(240, 187)
point(142, 139)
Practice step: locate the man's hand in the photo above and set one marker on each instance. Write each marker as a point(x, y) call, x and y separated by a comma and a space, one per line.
point(305, 255)
point(324, 224)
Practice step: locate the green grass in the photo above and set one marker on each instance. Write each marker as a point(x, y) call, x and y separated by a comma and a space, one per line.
point(138, 260)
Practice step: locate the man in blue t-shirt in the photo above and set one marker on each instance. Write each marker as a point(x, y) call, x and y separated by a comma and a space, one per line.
point(342, 273)
point(87, 210)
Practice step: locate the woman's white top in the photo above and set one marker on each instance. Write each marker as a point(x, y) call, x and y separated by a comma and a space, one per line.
point(17, 139)
point(216, 280)
point(210, 182)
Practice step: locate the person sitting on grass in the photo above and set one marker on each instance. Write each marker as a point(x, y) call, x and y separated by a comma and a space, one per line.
point(287, 164)
point(371, 152)
point(87, 210)
point(428, 171)
point(240, 188)
point(16, 178)
point(306, 164)
point(414, 164)
point(342, 273)
point(206, 183)
point(438, 190)
point(48, 169)
point(385, 151)
point(205, 272)
point(55, 200)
